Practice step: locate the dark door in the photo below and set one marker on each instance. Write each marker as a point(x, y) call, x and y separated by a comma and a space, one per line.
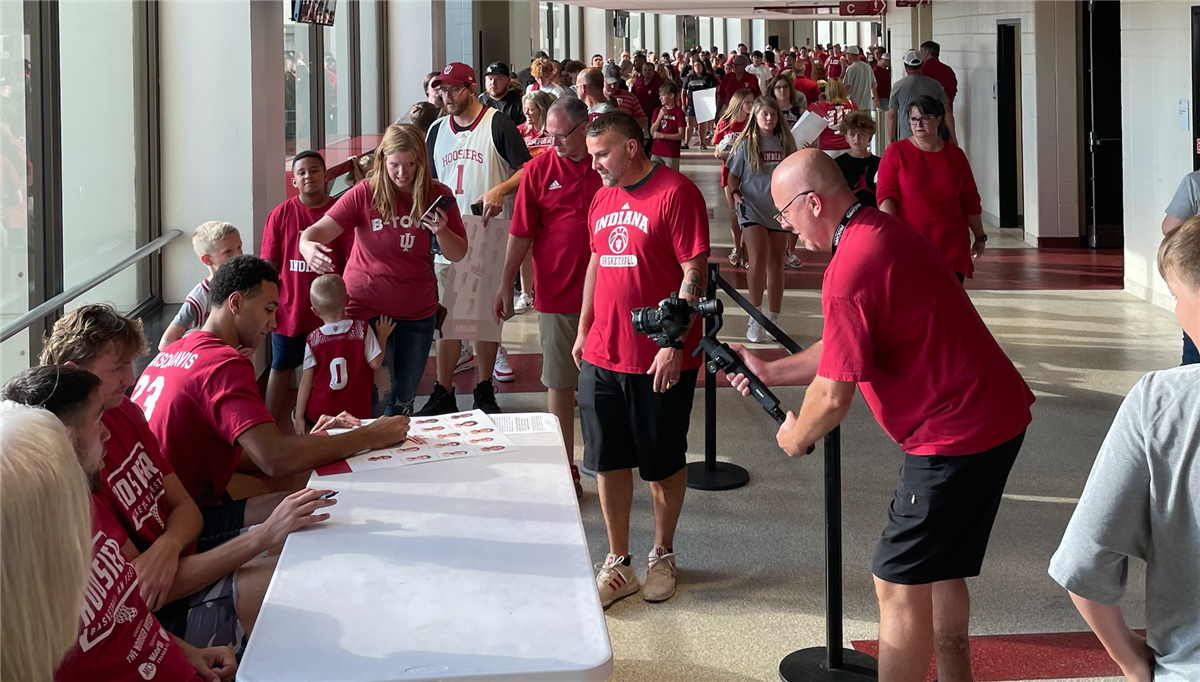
point(1007, 99)
point(1103, 180)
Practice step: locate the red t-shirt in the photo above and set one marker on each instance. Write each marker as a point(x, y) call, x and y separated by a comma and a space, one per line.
point(833, 66)
point(133, 473)
point(833, 113)
point(810, 89)
point(942, 74)
point(198, 396)
point(390, 270)
point(281, 244)
point(342, 379)
point(726, 127)
point(672, 122)
point(802, 68)
point(647, 92)
point(730, 84)
point(537, 141)
point(935, 192)
point(641, 235)
point(120, 640)
point(552, 210)
point(628, 102)
point(883, 80)
point(898, 323)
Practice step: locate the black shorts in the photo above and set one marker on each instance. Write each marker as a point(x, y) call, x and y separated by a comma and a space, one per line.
point(287, 352)
point(222, 522)
point(941, 516)
point(626, 425)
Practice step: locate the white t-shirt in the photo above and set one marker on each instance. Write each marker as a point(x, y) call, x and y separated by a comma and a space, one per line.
point(370, 343)
point(763, 73)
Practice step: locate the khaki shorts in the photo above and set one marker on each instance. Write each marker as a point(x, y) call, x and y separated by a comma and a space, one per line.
point(558, 332)
point(671, 162)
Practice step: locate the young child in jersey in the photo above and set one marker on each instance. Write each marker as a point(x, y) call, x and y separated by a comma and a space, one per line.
point(859, 166)
point(340, 358)
point(214, 243)
point(669, 126)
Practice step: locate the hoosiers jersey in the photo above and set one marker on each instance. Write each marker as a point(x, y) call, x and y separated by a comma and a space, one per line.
point(119, 638)
point(133, 473)
point(474, 159)
point(640, 236)
point(338, 354)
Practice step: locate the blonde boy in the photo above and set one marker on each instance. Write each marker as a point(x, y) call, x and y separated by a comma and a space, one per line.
point(214, 243)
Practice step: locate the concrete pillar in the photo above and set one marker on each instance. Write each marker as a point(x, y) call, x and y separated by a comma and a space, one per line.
point(221, 111)
point(416, 46)
point(668, 32)
point(803, 33)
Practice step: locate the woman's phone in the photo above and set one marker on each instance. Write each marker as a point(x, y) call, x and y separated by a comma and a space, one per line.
point(444, 203)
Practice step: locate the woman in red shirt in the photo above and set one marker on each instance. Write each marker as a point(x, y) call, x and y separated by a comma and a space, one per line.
point(535, 105)
point(729, 127)
point(390, 270)
point(927, 183)
point(833, 108)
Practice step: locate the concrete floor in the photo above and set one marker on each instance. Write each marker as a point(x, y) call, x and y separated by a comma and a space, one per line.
point(751, 560)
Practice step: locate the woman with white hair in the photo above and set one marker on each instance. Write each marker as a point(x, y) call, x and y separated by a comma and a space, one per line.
point(45, 524)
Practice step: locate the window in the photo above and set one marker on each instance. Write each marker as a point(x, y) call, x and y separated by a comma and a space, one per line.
point(297, 84)
point(635, 32)
point(558, 42)
point(372, 86)
point(338, 66)
point(706, 33)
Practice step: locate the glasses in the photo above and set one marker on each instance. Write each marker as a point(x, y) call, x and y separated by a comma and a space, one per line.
point(448, 92)
point(779, 216)
point(924, 120)
point(563, 136)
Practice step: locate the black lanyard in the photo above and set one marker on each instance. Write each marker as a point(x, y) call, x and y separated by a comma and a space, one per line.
point(837, 234)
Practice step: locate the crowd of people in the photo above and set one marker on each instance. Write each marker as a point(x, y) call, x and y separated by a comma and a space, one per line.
point(582, 162)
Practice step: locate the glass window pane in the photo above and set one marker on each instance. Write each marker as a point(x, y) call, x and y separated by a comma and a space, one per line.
point(100, 147)
point(297, 84)
point(635, 31)
point(543, 28)
point(558, 47)
point(16, 179)
point(337, 80)
point(370, 56)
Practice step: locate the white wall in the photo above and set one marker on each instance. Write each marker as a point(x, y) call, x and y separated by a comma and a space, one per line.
point(597, 34)
point(802, 34)
point(523, 21)
point(1155, 75)
point(416, 46)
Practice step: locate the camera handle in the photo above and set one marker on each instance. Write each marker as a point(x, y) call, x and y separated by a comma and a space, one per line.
point(721, 357)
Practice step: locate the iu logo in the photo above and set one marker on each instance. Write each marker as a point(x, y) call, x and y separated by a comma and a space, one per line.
point(406, 241)
point(447, 70)
point(618, 239)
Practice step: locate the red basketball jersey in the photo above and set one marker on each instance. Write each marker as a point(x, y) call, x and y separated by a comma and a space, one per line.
point(342, 378)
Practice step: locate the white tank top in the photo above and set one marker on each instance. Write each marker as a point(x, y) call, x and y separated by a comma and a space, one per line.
point(469, 163)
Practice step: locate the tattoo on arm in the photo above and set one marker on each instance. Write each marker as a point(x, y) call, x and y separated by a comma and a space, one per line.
point(691, 283)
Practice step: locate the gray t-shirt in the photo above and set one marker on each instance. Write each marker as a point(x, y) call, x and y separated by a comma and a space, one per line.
point(1142, 501)
point(906, 91)
point(194, 311)
point(858, 79)
point(1186, 202)
point(756, 187)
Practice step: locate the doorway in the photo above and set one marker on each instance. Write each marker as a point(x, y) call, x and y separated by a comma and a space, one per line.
point(1008, 120)
point(1103, 182)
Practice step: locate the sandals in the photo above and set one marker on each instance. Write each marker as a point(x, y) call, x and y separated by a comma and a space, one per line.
point(734, 259)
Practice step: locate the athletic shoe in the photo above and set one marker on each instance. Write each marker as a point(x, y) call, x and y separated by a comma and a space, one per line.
point(660, 575)
point(485, 398)
point(578, 485)
point(524, 302)
point(441, 401)
point(502, 371)
point(793, 262)
point(615, 580)
point(465, 359)
point(684, 146)
point(754, 331)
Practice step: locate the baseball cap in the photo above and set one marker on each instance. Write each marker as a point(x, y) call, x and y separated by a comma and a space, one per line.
point(886, 55)
point(912, 58)
point(612, 73)
point(853, 49)
point(499, 68)
point(540, 55)
point(455, 74)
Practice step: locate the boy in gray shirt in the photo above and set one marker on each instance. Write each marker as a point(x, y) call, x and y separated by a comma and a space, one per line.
point(1142, 500)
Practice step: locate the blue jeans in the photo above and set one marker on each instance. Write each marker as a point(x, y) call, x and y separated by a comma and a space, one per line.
point(405, 357)
point(1191, 356)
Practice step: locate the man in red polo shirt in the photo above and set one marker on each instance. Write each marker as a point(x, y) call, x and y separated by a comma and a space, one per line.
point(935, 69)
point(737, 79)
point(902, 332)
point(550, 217)
point(649, 238)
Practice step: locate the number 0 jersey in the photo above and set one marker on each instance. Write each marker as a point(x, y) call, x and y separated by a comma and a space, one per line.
point(338, 354)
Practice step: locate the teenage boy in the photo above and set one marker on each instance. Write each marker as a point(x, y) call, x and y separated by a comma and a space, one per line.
point(281, 248)
point(668, 128)
point(214, 243)
point(1142, 501)
point(340, 357)
point(859, 165)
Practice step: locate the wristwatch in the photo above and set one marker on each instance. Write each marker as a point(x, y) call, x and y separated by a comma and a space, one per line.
point(981, 237)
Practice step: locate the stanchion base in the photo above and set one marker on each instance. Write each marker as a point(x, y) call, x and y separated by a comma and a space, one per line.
point(726, 477)
point(808, 665)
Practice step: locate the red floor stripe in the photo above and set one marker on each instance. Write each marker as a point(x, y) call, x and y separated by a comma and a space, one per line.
point(1058, 655)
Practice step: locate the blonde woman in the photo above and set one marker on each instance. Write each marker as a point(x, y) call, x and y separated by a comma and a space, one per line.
point(390, 269)
point(729, 126)
point(45, 523)
point(535, 105)
point(834, 108)
point(762, 146)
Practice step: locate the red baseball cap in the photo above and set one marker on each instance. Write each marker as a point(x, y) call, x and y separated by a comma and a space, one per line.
point(454, 75)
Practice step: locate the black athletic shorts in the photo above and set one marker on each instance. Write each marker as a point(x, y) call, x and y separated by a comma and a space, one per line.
point(941, 516)
point(626, 425)
point(222, 522)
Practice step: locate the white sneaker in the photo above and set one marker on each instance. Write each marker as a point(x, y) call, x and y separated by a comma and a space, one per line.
point(524, 302)
point(465, 359)
point(774, 318)
point(502, 371)
point(660, 575)
point(615, 580)
point(754, 331)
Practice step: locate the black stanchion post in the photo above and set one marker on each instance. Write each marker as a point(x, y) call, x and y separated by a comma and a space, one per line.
point(711, 474)
point(831, 662)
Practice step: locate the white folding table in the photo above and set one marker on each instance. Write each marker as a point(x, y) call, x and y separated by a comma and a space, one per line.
point(474, 569)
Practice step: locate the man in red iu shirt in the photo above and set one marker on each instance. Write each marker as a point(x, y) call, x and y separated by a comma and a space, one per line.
point(737, 79)
point(943, 389)
point(201, 400)
point(550, 217)
point(649, 238)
